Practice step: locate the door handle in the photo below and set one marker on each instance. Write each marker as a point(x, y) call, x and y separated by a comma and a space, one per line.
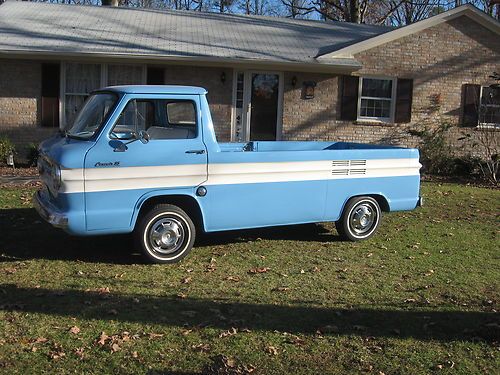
point(199, 152)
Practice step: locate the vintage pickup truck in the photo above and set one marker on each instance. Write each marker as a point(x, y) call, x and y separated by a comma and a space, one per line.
point(145, 159)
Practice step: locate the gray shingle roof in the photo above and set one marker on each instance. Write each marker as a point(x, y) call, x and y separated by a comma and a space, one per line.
point(27, 27)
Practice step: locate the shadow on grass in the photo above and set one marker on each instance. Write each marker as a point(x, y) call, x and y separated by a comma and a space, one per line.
point(377, 321)
point(26, 236)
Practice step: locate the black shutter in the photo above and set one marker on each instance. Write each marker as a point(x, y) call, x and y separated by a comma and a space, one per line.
point(349, 98)
point(404, 97)
point(470, 104)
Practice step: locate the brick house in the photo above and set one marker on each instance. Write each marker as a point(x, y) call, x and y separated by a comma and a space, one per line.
point(267, 78)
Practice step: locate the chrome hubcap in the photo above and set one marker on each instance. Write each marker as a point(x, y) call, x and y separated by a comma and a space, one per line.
point(363, 218)
point(166, 235)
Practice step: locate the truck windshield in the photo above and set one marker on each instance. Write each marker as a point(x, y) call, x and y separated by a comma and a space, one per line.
point(92, 115)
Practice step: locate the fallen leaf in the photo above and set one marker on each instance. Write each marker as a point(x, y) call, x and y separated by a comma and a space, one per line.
point(103, 338)
point(135, 355)
point(201, 347)
point(231, 332)
point(186, 280)
point(410, 300)
point(74, 330)
point(272, 350)
point(232, 278)
point(115, 347)
point(79, 352)
point(258, 270)
point(181, 295)
point(186, 332)
point(302, 271)
point(155, 335)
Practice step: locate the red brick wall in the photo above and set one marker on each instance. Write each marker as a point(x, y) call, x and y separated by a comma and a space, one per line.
point(20, 100)
point(440, 60)
point(219, 93)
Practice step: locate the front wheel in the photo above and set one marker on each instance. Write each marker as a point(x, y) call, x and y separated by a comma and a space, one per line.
point(165, 234)
point(360, 219)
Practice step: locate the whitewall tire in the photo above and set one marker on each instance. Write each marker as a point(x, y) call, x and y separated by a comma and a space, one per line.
point(360, 219)
point(165, 234)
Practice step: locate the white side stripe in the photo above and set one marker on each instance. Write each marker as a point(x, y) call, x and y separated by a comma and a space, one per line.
point(127, 178)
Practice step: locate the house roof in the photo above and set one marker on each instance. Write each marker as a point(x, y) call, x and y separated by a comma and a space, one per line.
point(467, 10)
point(74, 30)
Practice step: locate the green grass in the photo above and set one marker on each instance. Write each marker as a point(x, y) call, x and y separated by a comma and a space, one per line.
point(420, 297)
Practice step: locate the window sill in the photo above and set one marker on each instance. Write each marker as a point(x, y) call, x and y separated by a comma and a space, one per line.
point(374, 123)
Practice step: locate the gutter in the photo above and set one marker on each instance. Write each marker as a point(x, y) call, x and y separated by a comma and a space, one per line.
point(341, 66)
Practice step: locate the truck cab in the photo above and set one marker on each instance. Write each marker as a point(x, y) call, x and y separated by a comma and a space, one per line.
point(145, 159)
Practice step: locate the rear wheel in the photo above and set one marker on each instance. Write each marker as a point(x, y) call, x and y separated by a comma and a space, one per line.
point(360, 219)
point(165, 234)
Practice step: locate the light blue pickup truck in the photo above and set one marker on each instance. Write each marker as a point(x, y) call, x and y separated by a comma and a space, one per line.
point(145, 159)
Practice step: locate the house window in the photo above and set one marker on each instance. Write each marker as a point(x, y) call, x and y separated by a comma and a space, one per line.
point(80, 80)
point(376, 99)
point(125, 75)
point(489, 110)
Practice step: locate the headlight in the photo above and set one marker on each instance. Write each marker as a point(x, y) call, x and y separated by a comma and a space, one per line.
point(39, 165)
point(57, 177)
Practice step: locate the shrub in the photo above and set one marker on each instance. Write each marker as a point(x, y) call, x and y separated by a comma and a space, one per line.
point(6, 148)
point(32, 154)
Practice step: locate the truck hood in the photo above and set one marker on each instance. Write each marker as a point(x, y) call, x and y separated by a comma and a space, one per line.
point(67, 152)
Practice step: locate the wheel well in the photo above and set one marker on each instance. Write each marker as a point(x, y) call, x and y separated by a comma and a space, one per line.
point(382, 202)
point(185, 202)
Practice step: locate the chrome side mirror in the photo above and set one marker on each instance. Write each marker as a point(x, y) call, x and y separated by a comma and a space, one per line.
point(143, 136)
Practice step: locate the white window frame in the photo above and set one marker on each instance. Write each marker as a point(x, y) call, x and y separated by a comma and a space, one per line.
point(103, 82)
point(486, 125)
point(392, 100)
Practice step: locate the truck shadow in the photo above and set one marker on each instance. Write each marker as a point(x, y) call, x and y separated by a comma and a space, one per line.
point(375, 321)
point(24, 235)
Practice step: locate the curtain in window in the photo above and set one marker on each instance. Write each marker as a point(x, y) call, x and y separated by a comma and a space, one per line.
point(124, 75)
point(81, 79)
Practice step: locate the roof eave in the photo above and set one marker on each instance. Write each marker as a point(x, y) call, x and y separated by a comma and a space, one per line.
point(342, 65)
point(464, 10)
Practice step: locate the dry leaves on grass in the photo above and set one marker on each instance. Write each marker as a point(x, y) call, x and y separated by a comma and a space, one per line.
point(232, 278)
point(258, 270)
point(203, 348)
point(225, 365)
point(272, 350)
point(230, 332)
point(74, 330)
point(186, 280)
point(57, 352)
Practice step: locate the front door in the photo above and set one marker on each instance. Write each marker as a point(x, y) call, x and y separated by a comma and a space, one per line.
point(174, 159)
point(258, 97)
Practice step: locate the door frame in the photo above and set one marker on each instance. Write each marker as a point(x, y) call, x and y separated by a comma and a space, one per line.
point(247, 93)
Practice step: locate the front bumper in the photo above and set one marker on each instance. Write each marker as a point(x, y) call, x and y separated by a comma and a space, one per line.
point(48, 212)
point(420, 202)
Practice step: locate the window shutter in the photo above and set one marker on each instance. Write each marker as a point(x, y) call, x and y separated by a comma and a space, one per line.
point(470, 104)
point(404, 97)
point(349, 98)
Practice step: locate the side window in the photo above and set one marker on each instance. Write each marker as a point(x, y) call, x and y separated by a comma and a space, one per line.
point(180, 116)
point(137, 115)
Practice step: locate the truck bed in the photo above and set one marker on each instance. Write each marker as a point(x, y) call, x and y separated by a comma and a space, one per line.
point(268, 146)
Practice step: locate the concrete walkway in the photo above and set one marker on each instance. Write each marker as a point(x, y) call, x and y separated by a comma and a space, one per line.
point(18, 180)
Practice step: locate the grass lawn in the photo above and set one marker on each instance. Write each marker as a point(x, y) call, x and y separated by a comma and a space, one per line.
point(420, 297)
